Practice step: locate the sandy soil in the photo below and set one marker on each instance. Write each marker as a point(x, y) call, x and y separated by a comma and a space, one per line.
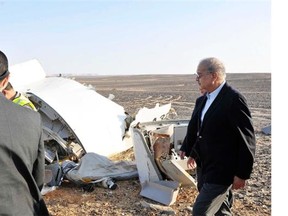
point(134, 92)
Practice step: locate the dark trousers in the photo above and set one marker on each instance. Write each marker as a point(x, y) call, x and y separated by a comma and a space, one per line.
point(213, 199)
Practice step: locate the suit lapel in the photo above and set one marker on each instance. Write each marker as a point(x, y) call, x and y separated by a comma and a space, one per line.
point(199, 111)
point(215, 103)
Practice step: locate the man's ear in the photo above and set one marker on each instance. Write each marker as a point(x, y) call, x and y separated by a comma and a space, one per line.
point(4, 83)
point(4, 92)
point(214, 76)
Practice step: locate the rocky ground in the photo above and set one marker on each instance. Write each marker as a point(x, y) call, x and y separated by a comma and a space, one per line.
point(135, 92)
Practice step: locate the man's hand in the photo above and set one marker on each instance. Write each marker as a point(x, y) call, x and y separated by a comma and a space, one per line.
point(238, 183)
point(182, 154)
point(191, 163)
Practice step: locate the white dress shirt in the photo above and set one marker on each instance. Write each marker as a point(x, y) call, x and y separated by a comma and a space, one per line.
point(210, 98)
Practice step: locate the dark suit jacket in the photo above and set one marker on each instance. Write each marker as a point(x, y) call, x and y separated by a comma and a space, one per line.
point(22, 161)
point(225, 145)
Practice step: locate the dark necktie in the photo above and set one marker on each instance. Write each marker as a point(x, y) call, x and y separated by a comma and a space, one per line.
point(200, 111)
point(203, 103)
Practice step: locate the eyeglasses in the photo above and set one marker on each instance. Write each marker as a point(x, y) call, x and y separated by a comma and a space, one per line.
point(198, 76)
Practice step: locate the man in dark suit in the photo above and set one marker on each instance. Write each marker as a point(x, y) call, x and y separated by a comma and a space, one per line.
point(21, 156)
point(220, 140)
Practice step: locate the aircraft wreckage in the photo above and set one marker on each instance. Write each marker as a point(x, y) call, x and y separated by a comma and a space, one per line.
point(83, 128)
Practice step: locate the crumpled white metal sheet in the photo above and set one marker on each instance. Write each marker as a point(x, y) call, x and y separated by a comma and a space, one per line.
point(97, 122)
point(22, 75)
point(71, 107)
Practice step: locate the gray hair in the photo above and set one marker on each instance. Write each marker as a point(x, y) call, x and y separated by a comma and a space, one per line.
point(214, 65)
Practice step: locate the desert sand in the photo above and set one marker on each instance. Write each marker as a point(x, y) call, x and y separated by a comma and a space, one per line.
point(135, 92)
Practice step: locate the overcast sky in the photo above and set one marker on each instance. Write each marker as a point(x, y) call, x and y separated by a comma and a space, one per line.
point(137, 37)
